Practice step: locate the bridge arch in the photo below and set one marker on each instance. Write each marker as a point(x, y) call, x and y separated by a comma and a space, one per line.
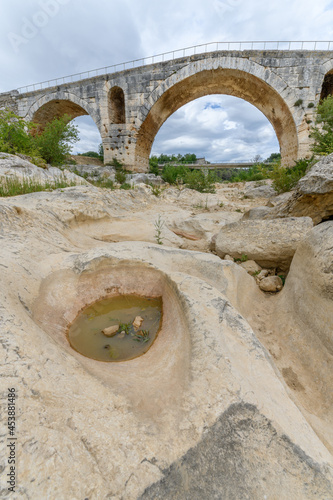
point(253, 83)
point(57, 104)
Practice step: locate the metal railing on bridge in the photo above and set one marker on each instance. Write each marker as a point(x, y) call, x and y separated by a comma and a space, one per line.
point(175, 54)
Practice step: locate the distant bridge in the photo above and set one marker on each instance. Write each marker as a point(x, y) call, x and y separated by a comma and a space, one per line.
point(130, 102)
point(211, 166)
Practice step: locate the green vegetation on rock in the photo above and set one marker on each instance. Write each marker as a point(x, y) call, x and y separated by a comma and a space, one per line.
point(13, 186)
point(51, 144)
point(322, 132)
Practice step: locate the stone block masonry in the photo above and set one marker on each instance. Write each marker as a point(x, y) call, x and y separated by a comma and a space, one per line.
point(130, 106)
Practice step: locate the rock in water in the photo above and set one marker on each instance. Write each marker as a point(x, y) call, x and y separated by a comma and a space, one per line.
point(137, 322)
point(110, 331)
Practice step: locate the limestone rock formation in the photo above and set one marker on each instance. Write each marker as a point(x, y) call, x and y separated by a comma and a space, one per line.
point(205, 411)
point(270, 243)
point(94, 172)
point(271, 284)
point(263, 190)
point(250, 266)
point(135, 179)
point(313, 195)
point(296, 328)
point(256, 213)
point(12, 166)
point(201, 227)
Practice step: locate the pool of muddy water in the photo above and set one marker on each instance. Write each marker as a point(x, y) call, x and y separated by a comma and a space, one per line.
point(129, 341)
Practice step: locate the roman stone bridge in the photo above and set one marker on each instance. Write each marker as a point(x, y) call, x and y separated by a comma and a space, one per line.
point(129, 106)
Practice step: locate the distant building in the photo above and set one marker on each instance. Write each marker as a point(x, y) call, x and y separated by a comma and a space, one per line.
point(201, 161)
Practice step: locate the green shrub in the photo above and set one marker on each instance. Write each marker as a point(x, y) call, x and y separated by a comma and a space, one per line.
point(322, 132)
point(156, 190)
point(90, 154)
point(13, 186)
point(284, 179)
point(54, 142)
point(173, 174)
point(201, 181)
point(153, 165)
point(258, 172)
point(121, 176)
point(115, 163)
point(125, 186)
point(15, 134)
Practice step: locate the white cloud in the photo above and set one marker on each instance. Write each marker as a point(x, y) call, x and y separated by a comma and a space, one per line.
point(230, 130)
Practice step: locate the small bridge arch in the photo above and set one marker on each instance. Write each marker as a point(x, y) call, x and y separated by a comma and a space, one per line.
point(57, 104)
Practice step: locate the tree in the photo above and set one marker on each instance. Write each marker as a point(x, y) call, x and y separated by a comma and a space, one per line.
point(101, 152)
point(274, 157)
point(14, 134)
point(322, 132)
point(54, 142)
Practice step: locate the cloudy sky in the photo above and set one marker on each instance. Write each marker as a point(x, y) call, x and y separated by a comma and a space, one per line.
point(45, 39)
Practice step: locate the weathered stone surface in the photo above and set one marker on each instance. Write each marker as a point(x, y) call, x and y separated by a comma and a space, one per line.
point(110, 331)
point(250, 266)
point(256, 213)
point(202, 226)
point(212, 468)
point(280, 198)
point(93, 172)
point(272, 80)
point(270, 243)
point(134, 179)
point(313, 195)
point(137, 322)
point(252, 190)
point(271, 284)
point(313, 262)
point(12, 166)
point(203, 411)
point(296, 327)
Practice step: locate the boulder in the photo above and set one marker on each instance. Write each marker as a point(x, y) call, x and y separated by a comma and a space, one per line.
point(313, 264)
point(203, 225)
point(256, 213)
point(250, 266)
point(313, 195)
point(271, 243)
point(134, 179)
point(259, 191)
point(280, 198)
point(94, 172)
point(271, 284)
point(13, 166)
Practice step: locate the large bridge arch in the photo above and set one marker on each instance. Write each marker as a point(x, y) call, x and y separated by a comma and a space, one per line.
point(254, 84)
point(57, 104)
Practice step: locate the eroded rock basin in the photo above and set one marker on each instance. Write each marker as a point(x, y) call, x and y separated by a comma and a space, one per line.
point(204, 413)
